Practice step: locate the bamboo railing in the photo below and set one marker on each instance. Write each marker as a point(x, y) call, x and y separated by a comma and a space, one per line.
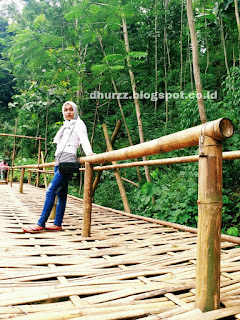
point(209, 137)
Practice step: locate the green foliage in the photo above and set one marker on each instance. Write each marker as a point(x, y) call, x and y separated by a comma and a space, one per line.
point(233, 231)
point(172, 195)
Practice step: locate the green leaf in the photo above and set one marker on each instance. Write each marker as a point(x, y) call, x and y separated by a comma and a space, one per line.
point(39, 21)
point(114, 57)
point(100, 68)
point(116, 68)
point(137, 54)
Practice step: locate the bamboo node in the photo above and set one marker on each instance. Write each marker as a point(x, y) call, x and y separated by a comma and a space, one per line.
point(217, 204)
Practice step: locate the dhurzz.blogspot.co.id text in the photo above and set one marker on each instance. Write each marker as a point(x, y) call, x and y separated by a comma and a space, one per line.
point(154, 96)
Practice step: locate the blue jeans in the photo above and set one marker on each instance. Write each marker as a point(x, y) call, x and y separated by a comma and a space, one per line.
point(59, 187)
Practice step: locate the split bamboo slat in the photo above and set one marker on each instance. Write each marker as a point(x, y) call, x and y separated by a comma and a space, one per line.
point(129, 269)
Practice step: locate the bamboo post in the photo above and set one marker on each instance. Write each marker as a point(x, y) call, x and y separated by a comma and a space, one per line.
point(39, 159)
point(87, 200)
point(209, 225)
point(44, 175)
point(8, 175)
point(13, 153)
point(117, 173)
point(53, 211)
point(21, 180)
point(11, 178)
point(113, 138)
point(29, 176)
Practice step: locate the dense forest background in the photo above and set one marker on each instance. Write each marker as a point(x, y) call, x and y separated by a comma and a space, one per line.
point(87, 51)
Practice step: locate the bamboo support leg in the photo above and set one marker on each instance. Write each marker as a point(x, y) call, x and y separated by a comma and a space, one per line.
point(53, 211)
point(113, 138)
point(8, 175)
point(87, 200)
point(39, 159)
point(11, 179)
point(37, 179)
point(209, 225)
point(44, 175)
point(29, 176)
point(117, 173)
point(21, 180)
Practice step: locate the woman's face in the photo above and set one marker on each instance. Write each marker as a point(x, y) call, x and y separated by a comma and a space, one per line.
point(68, 112)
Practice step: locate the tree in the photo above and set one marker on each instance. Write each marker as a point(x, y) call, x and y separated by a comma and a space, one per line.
point(196, 68)
point(134, 91)
point(6, 77)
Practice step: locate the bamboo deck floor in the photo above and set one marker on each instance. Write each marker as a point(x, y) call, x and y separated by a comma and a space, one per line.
point(128, 269)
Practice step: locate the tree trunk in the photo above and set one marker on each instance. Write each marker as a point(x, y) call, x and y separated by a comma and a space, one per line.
point(206, 38)
point(136, 101)
point(196, 68)
point(156, 57)
point(46, 130)
point(223, 43)
point(181, 50)
point(234, 63)
point(165, 50)
point(238, 25)
point(120, 106)
point(190, 61)
point(165, 32)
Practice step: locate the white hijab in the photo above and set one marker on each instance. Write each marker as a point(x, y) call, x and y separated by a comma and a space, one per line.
point(79, 124)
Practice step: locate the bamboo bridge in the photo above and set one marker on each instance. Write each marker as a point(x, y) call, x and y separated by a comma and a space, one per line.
point(109, 264)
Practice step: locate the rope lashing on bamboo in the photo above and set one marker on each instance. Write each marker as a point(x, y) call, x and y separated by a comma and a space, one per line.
point(201, 138)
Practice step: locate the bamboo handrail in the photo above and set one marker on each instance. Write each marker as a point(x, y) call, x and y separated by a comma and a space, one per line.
point(218, 129)
point(19, 136)
point(227, 155)
point(117, 173)
point(112, 140)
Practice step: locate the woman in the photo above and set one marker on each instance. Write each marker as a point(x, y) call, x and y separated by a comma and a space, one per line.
point(68, 138)
point(3, 169)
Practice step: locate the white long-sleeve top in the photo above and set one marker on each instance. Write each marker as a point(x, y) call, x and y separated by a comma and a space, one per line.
point(70, 136)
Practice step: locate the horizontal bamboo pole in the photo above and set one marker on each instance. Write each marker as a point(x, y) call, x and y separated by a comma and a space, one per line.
point(36, 166)
point(32, 166)
point(42, 171)
point(227, 155)
point(156, 162)
point(19, 136)
point(218, 129)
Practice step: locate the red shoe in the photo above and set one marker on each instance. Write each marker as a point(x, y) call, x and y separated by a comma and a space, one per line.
point(34, 229)
point(54, 228)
